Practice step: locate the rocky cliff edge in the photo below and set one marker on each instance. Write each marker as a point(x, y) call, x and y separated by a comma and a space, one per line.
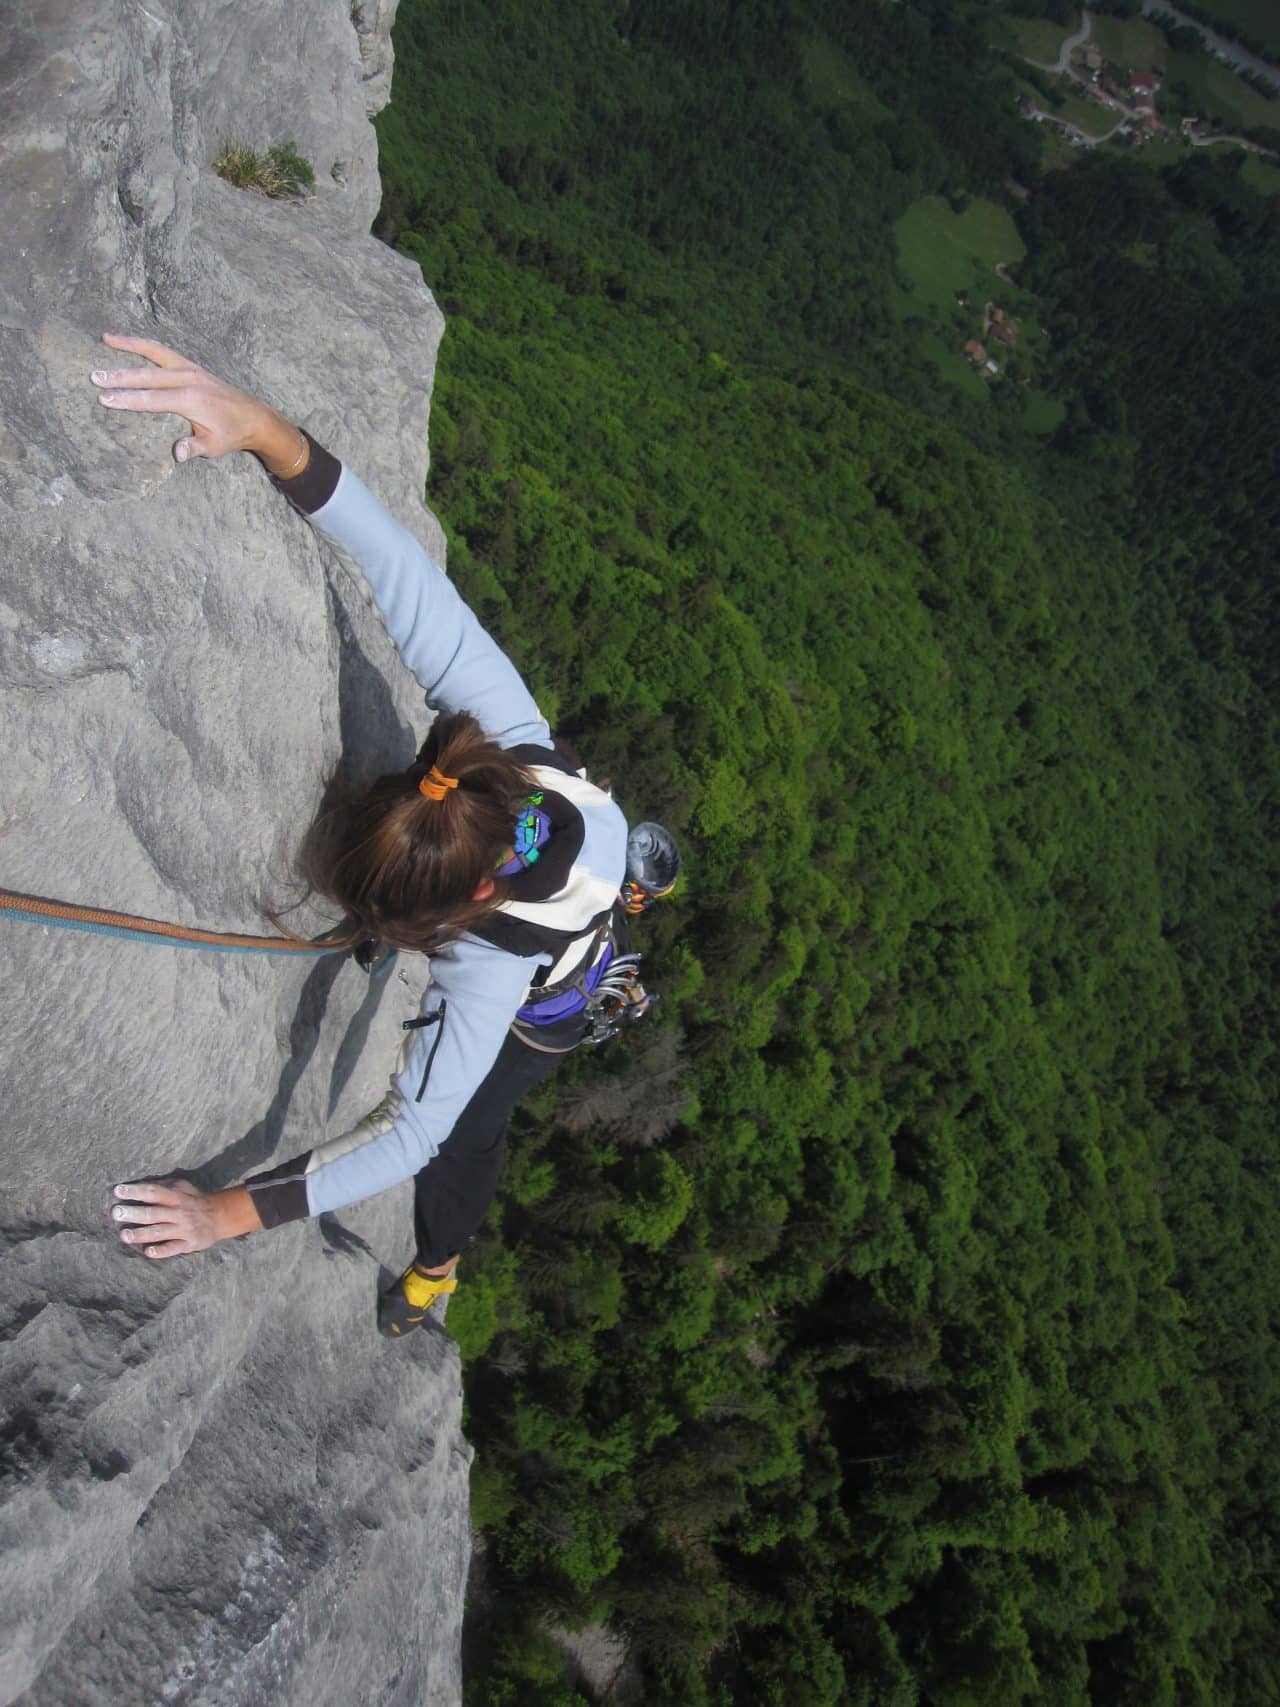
point(219, 1485)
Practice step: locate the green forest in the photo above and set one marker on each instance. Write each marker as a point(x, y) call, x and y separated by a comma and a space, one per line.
point(890, 1318)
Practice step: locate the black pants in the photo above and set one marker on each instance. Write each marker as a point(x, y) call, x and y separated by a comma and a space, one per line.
point(453, 1192)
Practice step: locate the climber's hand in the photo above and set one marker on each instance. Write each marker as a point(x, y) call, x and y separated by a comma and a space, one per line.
point(222, 418)
point(175, 1219)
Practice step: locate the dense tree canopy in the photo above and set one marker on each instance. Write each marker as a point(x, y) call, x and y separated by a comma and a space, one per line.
point(888, 1318)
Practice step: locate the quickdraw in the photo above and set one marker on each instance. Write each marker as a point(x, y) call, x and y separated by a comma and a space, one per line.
point(618, 998)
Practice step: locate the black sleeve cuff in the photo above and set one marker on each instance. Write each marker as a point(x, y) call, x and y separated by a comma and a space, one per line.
point(314, 487)
point(280, 1194)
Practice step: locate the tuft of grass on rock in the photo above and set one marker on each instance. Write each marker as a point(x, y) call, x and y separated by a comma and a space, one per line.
point(281, 172)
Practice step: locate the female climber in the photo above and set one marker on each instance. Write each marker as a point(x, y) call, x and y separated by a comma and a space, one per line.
point(492, 853)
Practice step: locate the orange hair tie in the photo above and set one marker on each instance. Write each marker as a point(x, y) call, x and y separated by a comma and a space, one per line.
point(435, 785)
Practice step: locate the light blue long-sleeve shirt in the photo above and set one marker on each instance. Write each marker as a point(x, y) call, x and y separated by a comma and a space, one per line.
point(461, 668)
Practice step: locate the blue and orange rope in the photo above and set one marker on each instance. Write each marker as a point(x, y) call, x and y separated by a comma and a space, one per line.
point(132, 927)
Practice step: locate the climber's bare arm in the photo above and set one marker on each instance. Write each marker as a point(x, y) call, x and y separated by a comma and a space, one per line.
point(175, 1219)
point(222, 418)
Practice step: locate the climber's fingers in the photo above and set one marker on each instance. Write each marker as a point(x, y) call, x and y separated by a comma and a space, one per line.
point(197, 445)
point(150, 399)
point(166, 1239)
point(147, 378)
point(159, 1229)
point(177, 1246)
point(157, 1215)
point(140, 1214)
point(151, 1191)
point(158, 1224)
point(170, 1220)
point(160, 354)
point(222, 418)
point(199, 406)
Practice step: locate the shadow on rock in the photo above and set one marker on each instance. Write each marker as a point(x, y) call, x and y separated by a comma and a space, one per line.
point(352, 1045)
point(257, 1145)
point(375, 738)
point(341, 1241)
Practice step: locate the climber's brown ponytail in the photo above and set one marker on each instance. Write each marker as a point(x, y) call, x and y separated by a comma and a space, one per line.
point(404, 858)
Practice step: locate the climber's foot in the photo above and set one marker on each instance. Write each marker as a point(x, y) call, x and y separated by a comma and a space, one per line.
point(404, 1306)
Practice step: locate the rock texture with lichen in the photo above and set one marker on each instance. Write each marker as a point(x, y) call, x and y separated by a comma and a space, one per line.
point(217, 1479)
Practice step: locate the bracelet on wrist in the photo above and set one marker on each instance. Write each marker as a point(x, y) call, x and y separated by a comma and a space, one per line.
point(296, 466)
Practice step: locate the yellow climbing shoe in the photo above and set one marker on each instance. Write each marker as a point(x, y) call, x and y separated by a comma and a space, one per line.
point(404, 1306)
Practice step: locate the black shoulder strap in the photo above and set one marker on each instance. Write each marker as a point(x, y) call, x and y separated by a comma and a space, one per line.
point(522, 936)
point(561, 757)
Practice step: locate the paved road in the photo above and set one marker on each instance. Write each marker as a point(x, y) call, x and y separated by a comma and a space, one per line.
point(1087, 141)
point(1239, 141)
point(1063, 61)
point(1223, 46)
point(1117, 127)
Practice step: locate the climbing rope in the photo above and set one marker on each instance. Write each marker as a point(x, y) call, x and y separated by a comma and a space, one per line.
point(101, 922)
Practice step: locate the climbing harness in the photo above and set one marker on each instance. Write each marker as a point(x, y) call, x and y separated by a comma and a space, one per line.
point(601, 984)
point(100, 921)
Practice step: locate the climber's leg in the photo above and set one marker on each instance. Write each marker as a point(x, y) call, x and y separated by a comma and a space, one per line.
point(453, 1192)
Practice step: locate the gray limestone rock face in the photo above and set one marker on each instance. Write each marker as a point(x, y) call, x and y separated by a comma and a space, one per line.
point(217, 1479)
